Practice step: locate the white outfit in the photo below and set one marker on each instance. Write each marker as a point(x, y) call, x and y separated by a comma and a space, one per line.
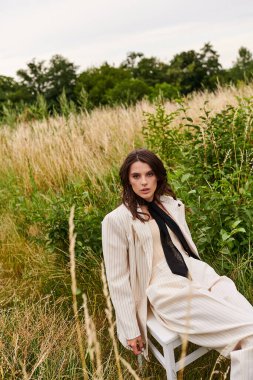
point(205, 307)
point(219, 315)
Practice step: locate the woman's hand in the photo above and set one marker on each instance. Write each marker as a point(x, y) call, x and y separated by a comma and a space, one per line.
point(136, 345)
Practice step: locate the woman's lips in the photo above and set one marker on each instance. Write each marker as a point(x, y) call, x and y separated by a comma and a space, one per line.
point(145, 190)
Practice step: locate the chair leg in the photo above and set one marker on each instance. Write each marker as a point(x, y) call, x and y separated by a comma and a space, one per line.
point(170, 364)
point(140, 361)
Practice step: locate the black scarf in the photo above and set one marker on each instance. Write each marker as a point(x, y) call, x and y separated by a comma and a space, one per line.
point(173, 257)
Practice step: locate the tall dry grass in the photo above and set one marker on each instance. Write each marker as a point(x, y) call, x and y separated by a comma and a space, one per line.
point(51, 153)
point(41, 338)
point(27, 270)
point(37, 341)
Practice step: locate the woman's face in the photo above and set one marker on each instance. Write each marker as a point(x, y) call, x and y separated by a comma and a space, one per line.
point(143, 180)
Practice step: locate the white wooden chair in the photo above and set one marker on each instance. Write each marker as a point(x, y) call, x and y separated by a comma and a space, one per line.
point(169, 340)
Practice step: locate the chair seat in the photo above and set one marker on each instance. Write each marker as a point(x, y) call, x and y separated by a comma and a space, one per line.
point(161, 333)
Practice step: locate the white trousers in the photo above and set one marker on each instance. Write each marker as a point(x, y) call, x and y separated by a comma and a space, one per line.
point(208, 310)
point(242, 361)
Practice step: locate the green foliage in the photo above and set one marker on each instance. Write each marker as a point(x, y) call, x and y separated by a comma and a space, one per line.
point(97, 82)
point(67, 107)
point(191, 71)
point(242, 70)
point(9, 114)
point(161, 136)
point(137, 77)
point(132, 60)
point(42, 91)
point(210, 167)
point(34, 77)
point(61, 76)
point(12, 97)
point(150, 70)
point(163, 91)
point(186, 72)
point(211, 66)
point(51, 212)
point(83, 100)
point(41, 108)
point(127, 92)
point(12, 91)
point(22, 112)
point(49, 81)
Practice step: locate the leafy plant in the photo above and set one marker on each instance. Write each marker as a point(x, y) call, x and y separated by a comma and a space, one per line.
point(210, 166)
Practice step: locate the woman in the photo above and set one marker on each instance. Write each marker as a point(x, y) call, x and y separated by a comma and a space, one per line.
point(152, 262)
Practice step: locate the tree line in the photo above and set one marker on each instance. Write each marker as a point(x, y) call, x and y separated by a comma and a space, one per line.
point(47, 87)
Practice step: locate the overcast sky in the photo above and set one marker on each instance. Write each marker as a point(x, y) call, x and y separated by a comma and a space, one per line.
point(89, 33)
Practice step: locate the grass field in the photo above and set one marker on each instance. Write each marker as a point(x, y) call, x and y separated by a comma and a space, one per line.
point(49, 166)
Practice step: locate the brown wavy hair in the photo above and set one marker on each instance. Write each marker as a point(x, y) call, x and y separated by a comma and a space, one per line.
point(129, 198)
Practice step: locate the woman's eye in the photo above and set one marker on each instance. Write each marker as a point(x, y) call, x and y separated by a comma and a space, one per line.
point(150, 174)
point(135, 176)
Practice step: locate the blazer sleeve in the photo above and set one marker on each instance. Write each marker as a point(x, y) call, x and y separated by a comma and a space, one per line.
point(115, 252)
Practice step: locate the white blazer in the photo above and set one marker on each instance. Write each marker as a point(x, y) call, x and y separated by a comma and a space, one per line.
point(128, 250)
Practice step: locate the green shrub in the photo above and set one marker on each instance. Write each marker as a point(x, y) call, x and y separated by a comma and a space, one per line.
point(210, 168)
point(50, 211)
